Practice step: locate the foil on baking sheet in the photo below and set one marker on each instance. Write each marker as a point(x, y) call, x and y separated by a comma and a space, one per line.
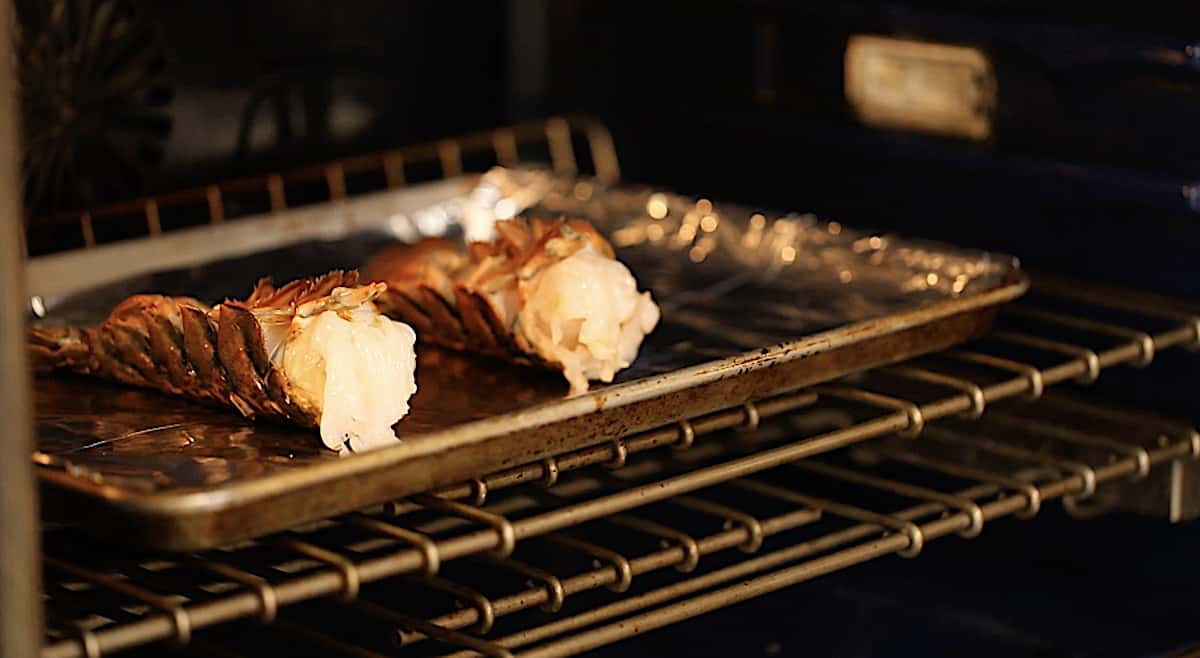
point(729, 279)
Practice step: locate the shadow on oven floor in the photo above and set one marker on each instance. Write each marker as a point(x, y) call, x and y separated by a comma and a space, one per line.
point(1053, 586)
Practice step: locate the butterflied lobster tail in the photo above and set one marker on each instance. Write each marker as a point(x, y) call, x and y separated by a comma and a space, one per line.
point(315, 353)
point(545, 293)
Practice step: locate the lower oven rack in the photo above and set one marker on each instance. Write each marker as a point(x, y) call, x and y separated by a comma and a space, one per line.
point(752, 488)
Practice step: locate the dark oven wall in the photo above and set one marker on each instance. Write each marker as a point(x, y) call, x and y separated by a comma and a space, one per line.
point(1090, 167)
point(157, 96)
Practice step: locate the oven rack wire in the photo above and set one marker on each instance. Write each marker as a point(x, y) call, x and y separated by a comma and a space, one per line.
point(563, 142)
point(101, 601)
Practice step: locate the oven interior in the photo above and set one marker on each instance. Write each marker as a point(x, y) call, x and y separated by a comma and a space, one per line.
point(1028, 494)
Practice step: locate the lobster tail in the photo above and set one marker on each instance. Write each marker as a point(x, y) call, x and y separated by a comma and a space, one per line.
point(546, 293)
point(59, 348)
point(234, 354)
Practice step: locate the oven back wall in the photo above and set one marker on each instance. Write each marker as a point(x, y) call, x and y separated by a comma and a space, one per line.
point(175, 94)
point(1091, 165)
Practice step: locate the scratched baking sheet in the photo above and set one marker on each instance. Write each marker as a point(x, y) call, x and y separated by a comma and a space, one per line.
point(730, 280)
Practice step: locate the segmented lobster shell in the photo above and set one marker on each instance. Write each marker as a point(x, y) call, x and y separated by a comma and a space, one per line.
point(179, 345)
point(469, 299)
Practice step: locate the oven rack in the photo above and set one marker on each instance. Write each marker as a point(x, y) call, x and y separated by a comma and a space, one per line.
point(164, 597)
point(569, 144)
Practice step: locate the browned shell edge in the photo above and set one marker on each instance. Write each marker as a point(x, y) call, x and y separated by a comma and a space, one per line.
point(215, 360)
point(467, 319)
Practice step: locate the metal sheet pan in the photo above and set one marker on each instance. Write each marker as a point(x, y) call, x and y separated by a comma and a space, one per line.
point(754, 304)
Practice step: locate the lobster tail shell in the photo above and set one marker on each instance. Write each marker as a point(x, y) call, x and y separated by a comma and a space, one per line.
point(243, 355)
point(469, 299)
point(200, 353)
point(54, 348)
point(180, 346)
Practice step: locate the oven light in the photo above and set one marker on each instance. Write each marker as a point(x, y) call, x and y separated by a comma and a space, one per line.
point(920, 86)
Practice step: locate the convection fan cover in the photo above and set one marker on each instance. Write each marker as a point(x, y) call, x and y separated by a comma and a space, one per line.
point(93, 94)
